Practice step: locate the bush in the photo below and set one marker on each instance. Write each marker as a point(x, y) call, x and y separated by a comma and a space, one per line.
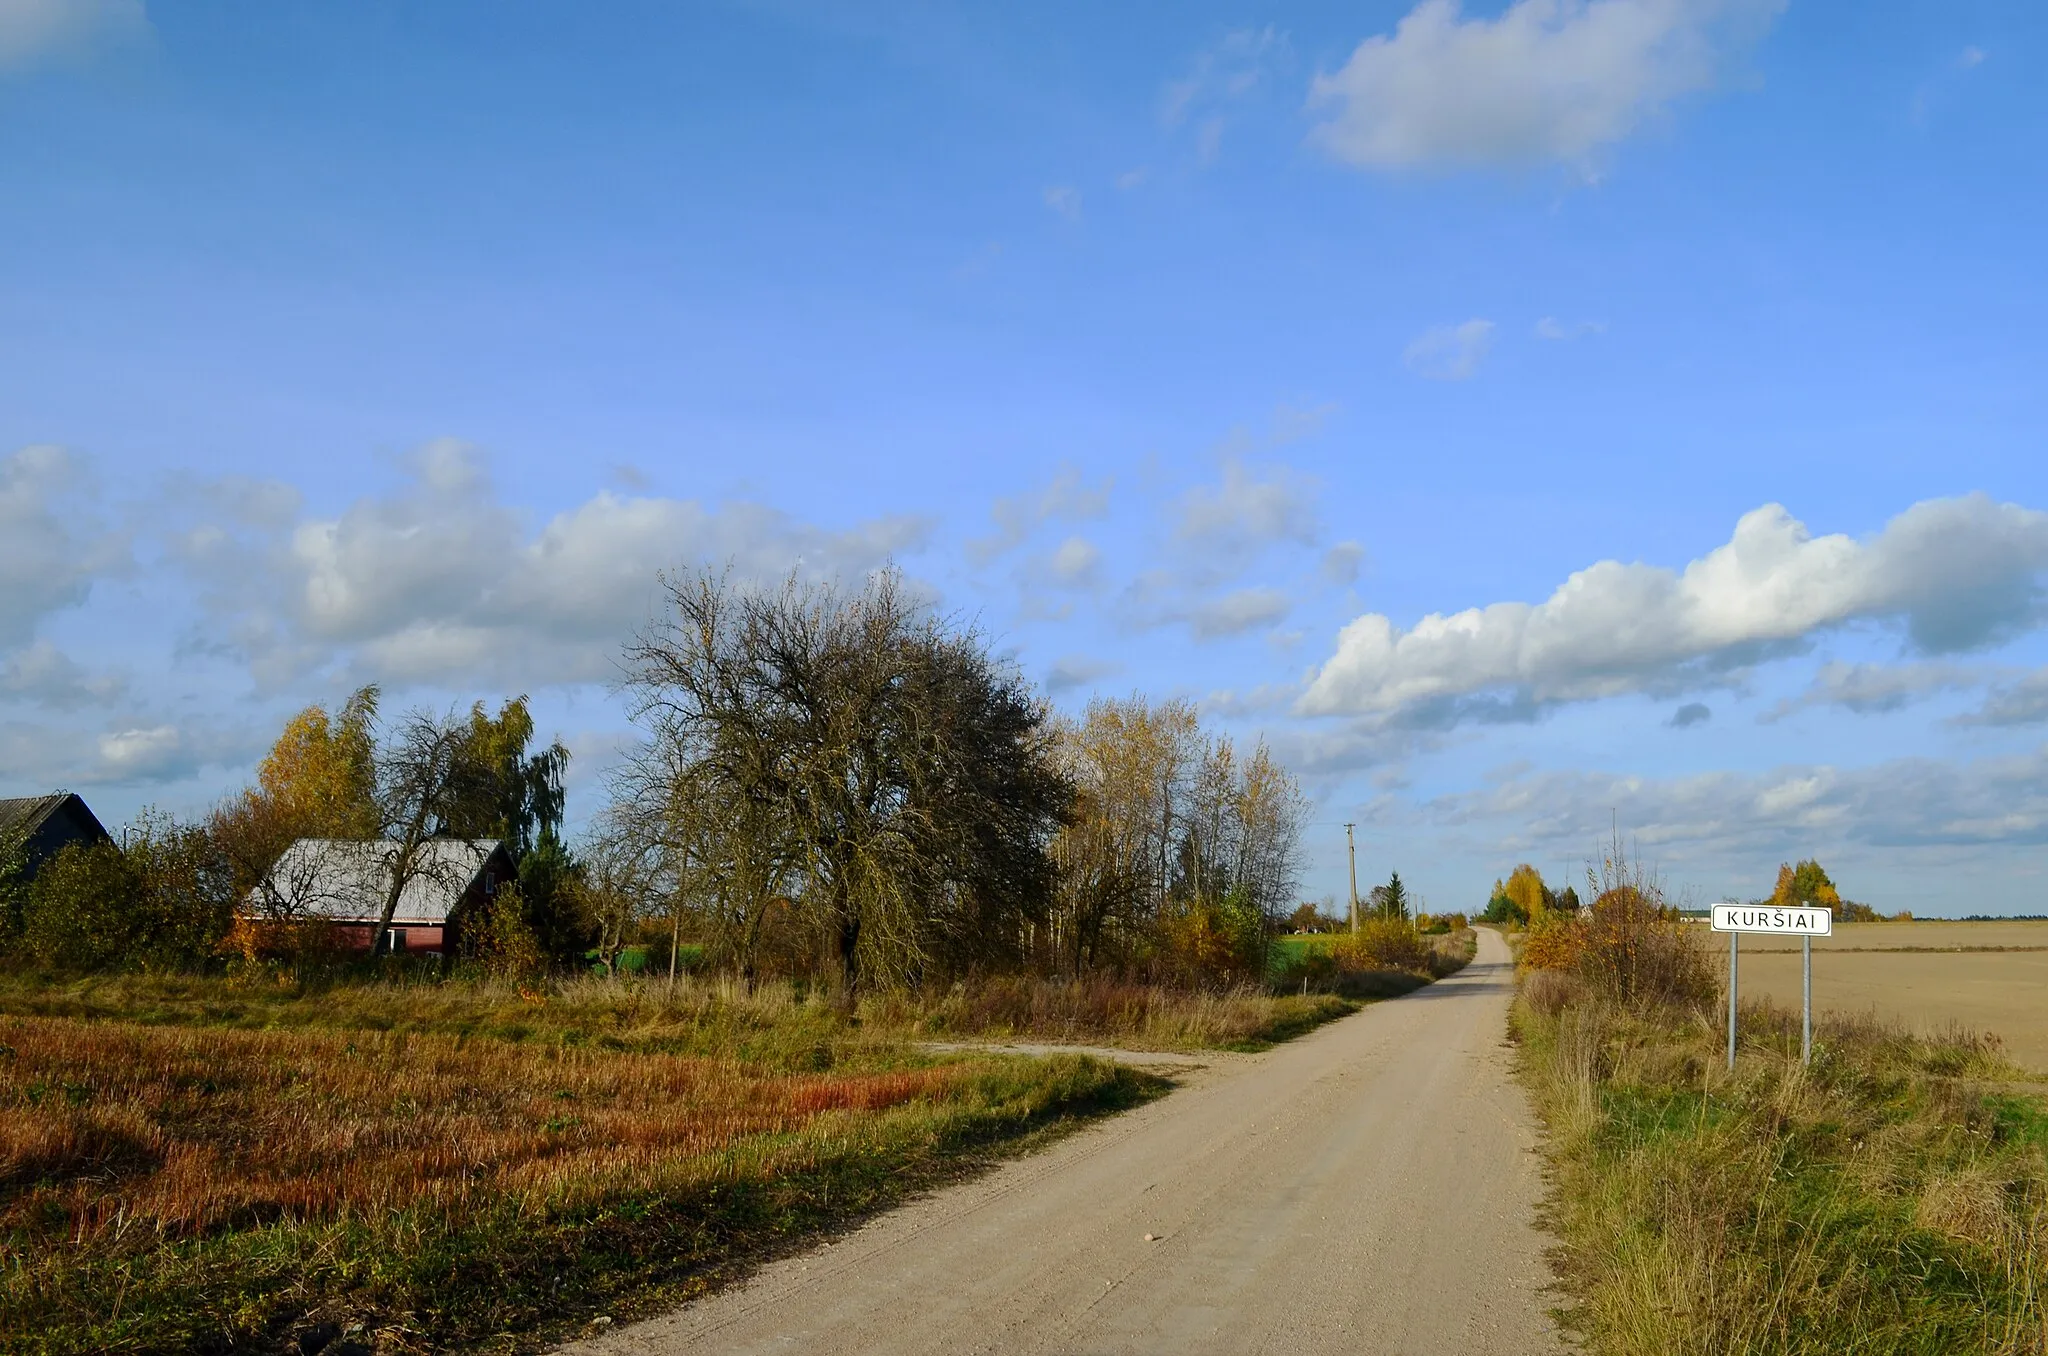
point(1384, 944)
point(1555, 942)
point(497, 937)
point(164, 901)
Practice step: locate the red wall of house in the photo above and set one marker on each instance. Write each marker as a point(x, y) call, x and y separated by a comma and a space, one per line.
point(419, 940)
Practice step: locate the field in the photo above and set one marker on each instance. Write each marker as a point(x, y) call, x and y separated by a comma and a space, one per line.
point(194, 1164)
point(1989, 977)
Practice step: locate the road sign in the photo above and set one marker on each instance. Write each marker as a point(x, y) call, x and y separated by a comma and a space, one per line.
point(1797, 922)
point(1803, 923)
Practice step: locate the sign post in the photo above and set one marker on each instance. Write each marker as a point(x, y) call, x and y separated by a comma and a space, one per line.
point(1804, 923)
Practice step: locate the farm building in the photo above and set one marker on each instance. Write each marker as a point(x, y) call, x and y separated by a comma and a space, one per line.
point(49, 824)
point(346, 882)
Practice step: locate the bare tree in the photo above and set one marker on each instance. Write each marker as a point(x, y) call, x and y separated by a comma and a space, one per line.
point(858, 751)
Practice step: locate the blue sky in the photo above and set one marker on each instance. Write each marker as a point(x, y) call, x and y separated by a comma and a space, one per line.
point(1288, 359)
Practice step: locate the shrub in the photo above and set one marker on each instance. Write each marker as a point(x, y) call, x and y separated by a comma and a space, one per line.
point(496, 936)
point(1556, 941)
point(1383, 944)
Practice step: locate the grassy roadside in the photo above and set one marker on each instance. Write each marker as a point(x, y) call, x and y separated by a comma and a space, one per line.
point(179, 1188)
point(194, 1164)
point(1893, 1198)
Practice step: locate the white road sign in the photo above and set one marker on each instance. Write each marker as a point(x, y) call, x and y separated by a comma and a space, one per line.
point(1773, 918)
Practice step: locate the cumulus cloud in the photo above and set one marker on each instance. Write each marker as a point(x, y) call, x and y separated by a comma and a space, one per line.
point(1691, 714)
point(442, 580)
point(51, 546)
point(1955, 574)
point(1449, 352)
point(1542, 81)
point(33, 32)
point(1068, 498)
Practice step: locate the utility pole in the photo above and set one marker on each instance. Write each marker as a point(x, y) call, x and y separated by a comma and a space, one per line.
point(1351, 851)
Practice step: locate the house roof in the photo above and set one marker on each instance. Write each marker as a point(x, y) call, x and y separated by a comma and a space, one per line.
point(26, 815)
point(346, 880)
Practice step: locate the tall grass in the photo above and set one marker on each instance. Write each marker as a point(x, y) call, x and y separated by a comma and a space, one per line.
point(1890, 1198)
point(440, 1165)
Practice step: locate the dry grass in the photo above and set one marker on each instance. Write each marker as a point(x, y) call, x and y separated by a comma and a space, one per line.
point(1892, 1198)
point(1107, 1011)
point(196, 1168)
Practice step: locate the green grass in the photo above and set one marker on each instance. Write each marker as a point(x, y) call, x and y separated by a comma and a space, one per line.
point(1893, 1198)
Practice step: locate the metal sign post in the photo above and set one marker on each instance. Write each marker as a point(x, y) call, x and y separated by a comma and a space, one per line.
point(1804, 923)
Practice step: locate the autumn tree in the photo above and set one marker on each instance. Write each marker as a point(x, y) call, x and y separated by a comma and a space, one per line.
point(1805, 885)
point(319, 780)
point(901, 771)
point(1525, 889)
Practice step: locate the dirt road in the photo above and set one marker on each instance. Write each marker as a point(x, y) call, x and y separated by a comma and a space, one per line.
point(1366, 1189)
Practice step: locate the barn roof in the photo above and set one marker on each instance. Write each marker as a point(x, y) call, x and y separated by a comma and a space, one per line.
point(24, 815)
point(346, 879)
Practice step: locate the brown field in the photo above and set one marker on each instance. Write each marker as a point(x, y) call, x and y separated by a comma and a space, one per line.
point(1986, 976)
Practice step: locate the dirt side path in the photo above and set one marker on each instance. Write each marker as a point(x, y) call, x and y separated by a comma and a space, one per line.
point(1367, 1188)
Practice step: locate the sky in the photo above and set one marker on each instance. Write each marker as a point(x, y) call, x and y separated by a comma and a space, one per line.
point(1533, 420)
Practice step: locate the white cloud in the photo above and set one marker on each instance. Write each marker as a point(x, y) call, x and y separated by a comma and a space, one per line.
point(34, 31)
point(1450, 352)
point(440, 580)
point(1064, 200)
point(51, 549)
point(1557, 331)
point(1970, 56)
point(44, 675)
point(1132, 178)
point(1238, 611)
point(1228, 71)
point(1077, 563)
point(2024, 702)
point(1342, 562)
point(1956, 573)
point(1762, 818)
point(1250, 509)
point(1219, 78)
point(1068, 498)
point(1871, 689)
point(1076, 671)
point(1543, 81)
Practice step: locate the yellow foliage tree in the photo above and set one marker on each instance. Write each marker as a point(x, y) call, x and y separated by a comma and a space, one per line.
point(321, 775)
point(1525, 888)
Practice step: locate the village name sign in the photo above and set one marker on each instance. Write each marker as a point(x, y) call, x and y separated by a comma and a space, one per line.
point(1803, 923)
point(1770, 918)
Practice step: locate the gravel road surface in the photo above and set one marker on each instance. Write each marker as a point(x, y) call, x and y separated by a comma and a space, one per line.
point(1368, 1188)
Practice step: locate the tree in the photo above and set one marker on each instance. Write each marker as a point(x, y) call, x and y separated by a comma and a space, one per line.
point(1502, 910)
point(902, 774)
point(1392, 898)
point(1805, 885)
point(319, 780)
point(1525, 888)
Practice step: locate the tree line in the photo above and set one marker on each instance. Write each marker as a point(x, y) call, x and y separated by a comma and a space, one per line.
point(833, 783)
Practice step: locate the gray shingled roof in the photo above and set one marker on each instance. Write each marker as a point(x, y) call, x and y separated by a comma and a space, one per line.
point(346, 880)
point(24, 814)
